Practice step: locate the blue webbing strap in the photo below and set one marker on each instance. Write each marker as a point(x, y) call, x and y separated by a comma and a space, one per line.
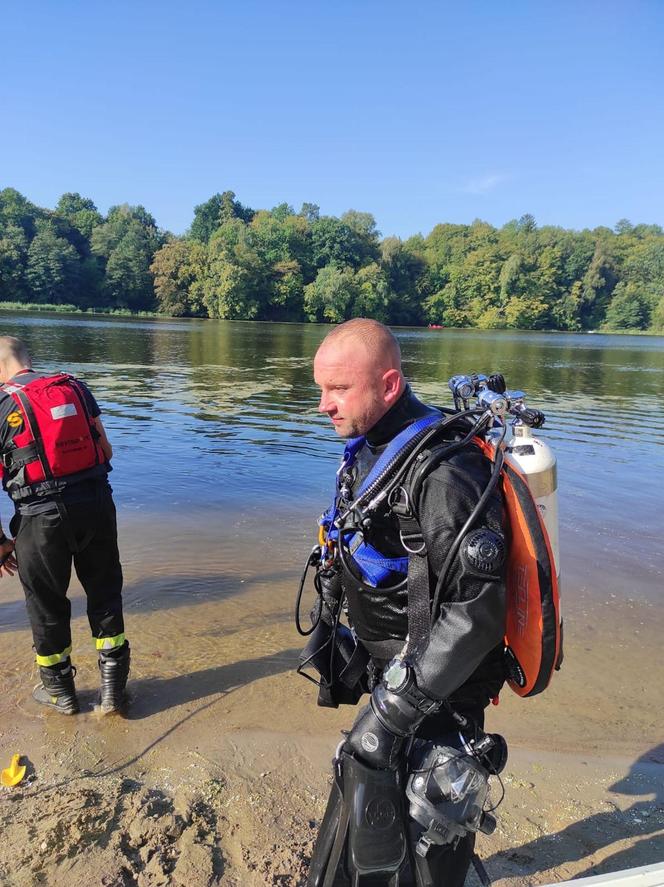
point(394, 447)
point(374, 566)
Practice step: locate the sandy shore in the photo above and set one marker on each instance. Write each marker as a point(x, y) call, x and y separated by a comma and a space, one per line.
point(218, 774)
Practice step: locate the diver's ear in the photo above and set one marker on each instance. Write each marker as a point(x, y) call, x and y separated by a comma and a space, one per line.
point(392, 386)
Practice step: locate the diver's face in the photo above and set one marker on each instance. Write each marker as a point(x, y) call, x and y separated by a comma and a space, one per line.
point(355, 390)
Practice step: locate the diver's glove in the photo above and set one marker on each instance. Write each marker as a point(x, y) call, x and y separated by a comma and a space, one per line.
point(396, 710)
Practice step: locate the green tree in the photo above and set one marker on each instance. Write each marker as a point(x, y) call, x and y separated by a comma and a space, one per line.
point(79, 212)
point(13, 259)
point(220, 208)
point(179, 269)
point(446, 306)
point(598, 283)
point(128, 281)
point(624, 226)
point(627, 309)
point(373, 296)
point(236, 284)
point(286, 292)
point(125, 245)
point(565, 312)
point(331, 295)
point(363, 224)
point(335, 242)
point(657, 317)
point(53, 268)
point(310, 212)
point(525, 313)
point(405, 269)
point(17, 210)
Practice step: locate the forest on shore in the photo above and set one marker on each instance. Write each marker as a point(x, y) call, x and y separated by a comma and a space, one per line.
point(239, 263)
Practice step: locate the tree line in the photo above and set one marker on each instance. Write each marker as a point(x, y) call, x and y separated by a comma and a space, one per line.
point(239, 263)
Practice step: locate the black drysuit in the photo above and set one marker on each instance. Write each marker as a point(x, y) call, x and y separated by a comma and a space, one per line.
point(463, 661)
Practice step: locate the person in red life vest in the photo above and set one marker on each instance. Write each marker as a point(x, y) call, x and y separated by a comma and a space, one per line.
point(56, 459)
point(430, 674)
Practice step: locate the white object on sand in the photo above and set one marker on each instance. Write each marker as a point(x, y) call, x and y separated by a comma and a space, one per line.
point(643, 876)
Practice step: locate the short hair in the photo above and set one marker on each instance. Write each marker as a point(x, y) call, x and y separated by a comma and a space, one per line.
point(16, 349)
point(374, 336)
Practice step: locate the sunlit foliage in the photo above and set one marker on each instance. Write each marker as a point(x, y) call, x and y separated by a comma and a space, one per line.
point(280, 264)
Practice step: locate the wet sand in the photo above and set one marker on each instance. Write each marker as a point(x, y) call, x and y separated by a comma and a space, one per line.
point(218, 774)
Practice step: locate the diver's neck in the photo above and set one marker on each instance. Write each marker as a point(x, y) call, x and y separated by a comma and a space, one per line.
point(401, 414)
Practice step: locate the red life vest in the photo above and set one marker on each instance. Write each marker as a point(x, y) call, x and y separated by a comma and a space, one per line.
point(56, 438)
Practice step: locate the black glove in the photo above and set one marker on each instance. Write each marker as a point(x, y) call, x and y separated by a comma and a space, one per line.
point(380, 730)
point(373, 743)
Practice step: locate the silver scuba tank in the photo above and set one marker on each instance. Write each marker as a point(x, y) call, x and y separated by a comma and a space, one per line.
point(537, 461)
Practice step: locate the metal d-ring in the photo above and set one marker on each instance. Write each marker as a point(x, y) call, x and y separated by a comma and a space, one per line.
point(419, 550)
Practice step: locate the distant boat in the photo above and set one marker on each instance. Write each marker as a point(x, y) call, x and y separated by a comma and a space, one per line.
point(436, 326)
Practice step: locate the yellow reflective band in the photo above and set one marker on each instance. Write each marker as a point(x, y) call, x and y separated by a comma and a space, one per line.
point(53, 659)
point(110, 643)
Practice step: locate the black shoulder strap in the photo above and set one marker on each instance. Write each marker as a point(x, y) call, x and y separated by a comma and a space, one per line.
point(36, 433)
point(419, 593)
point(404, 503)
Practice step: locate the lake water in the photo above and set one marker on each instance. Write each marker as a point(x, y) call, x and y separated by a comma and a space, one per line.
point(222, 466)
point(222, 463)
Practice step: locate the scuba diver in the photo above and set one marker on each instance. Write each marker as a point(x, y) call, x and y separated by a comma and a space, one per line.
point(414, 554)
point(56, 458)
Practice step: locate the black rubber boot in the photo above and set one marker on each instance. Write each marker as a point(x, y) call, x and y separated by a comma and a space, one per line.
point(114, 670)
point(57, 688)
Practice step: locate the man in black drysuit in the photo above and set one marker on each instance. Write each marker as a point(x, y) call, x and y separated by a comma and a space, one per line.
point(60, 520)
point(363, 391)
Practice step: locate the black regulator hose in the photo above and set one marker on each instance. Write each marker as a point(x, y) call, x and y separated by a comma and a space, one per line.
point(445, 453)
point(476, 512)
point(310, 562)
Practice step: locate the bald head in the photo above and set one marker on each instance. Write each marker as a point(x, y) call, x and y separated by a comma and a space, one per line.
point(14, 356)
point(370, 338)
point(358, 369)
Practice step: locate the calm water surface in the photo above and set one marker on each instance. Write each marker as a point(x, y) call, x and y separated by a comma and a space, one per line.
point(222, 462)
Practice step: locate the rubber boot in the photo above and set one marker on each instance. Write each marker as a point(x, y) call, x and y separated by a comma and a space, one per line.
point(114, 670)
point(57, 688)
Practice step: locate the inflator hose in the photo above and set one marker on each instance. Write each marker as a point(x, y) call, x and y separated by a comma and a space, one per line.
point(477, 510)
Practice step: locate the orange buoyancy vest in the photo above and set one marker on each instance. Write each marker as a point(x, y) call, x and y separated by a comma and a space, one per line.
point(533, 629)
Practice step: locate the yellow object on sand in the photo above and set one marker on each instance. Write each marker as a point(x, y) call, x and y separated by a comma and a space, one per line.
point(13, 774)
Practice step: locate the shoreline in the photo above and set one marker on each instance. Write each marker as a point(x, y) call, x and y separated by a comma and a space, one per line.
point(27, 307)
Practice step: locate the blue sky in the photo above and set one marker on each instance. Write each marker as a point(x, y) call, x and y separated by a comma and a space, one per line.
point(418, 112)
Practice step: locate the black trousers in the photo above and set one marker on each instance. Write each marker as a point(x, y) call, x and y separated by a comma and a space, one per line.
point(83, 533)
